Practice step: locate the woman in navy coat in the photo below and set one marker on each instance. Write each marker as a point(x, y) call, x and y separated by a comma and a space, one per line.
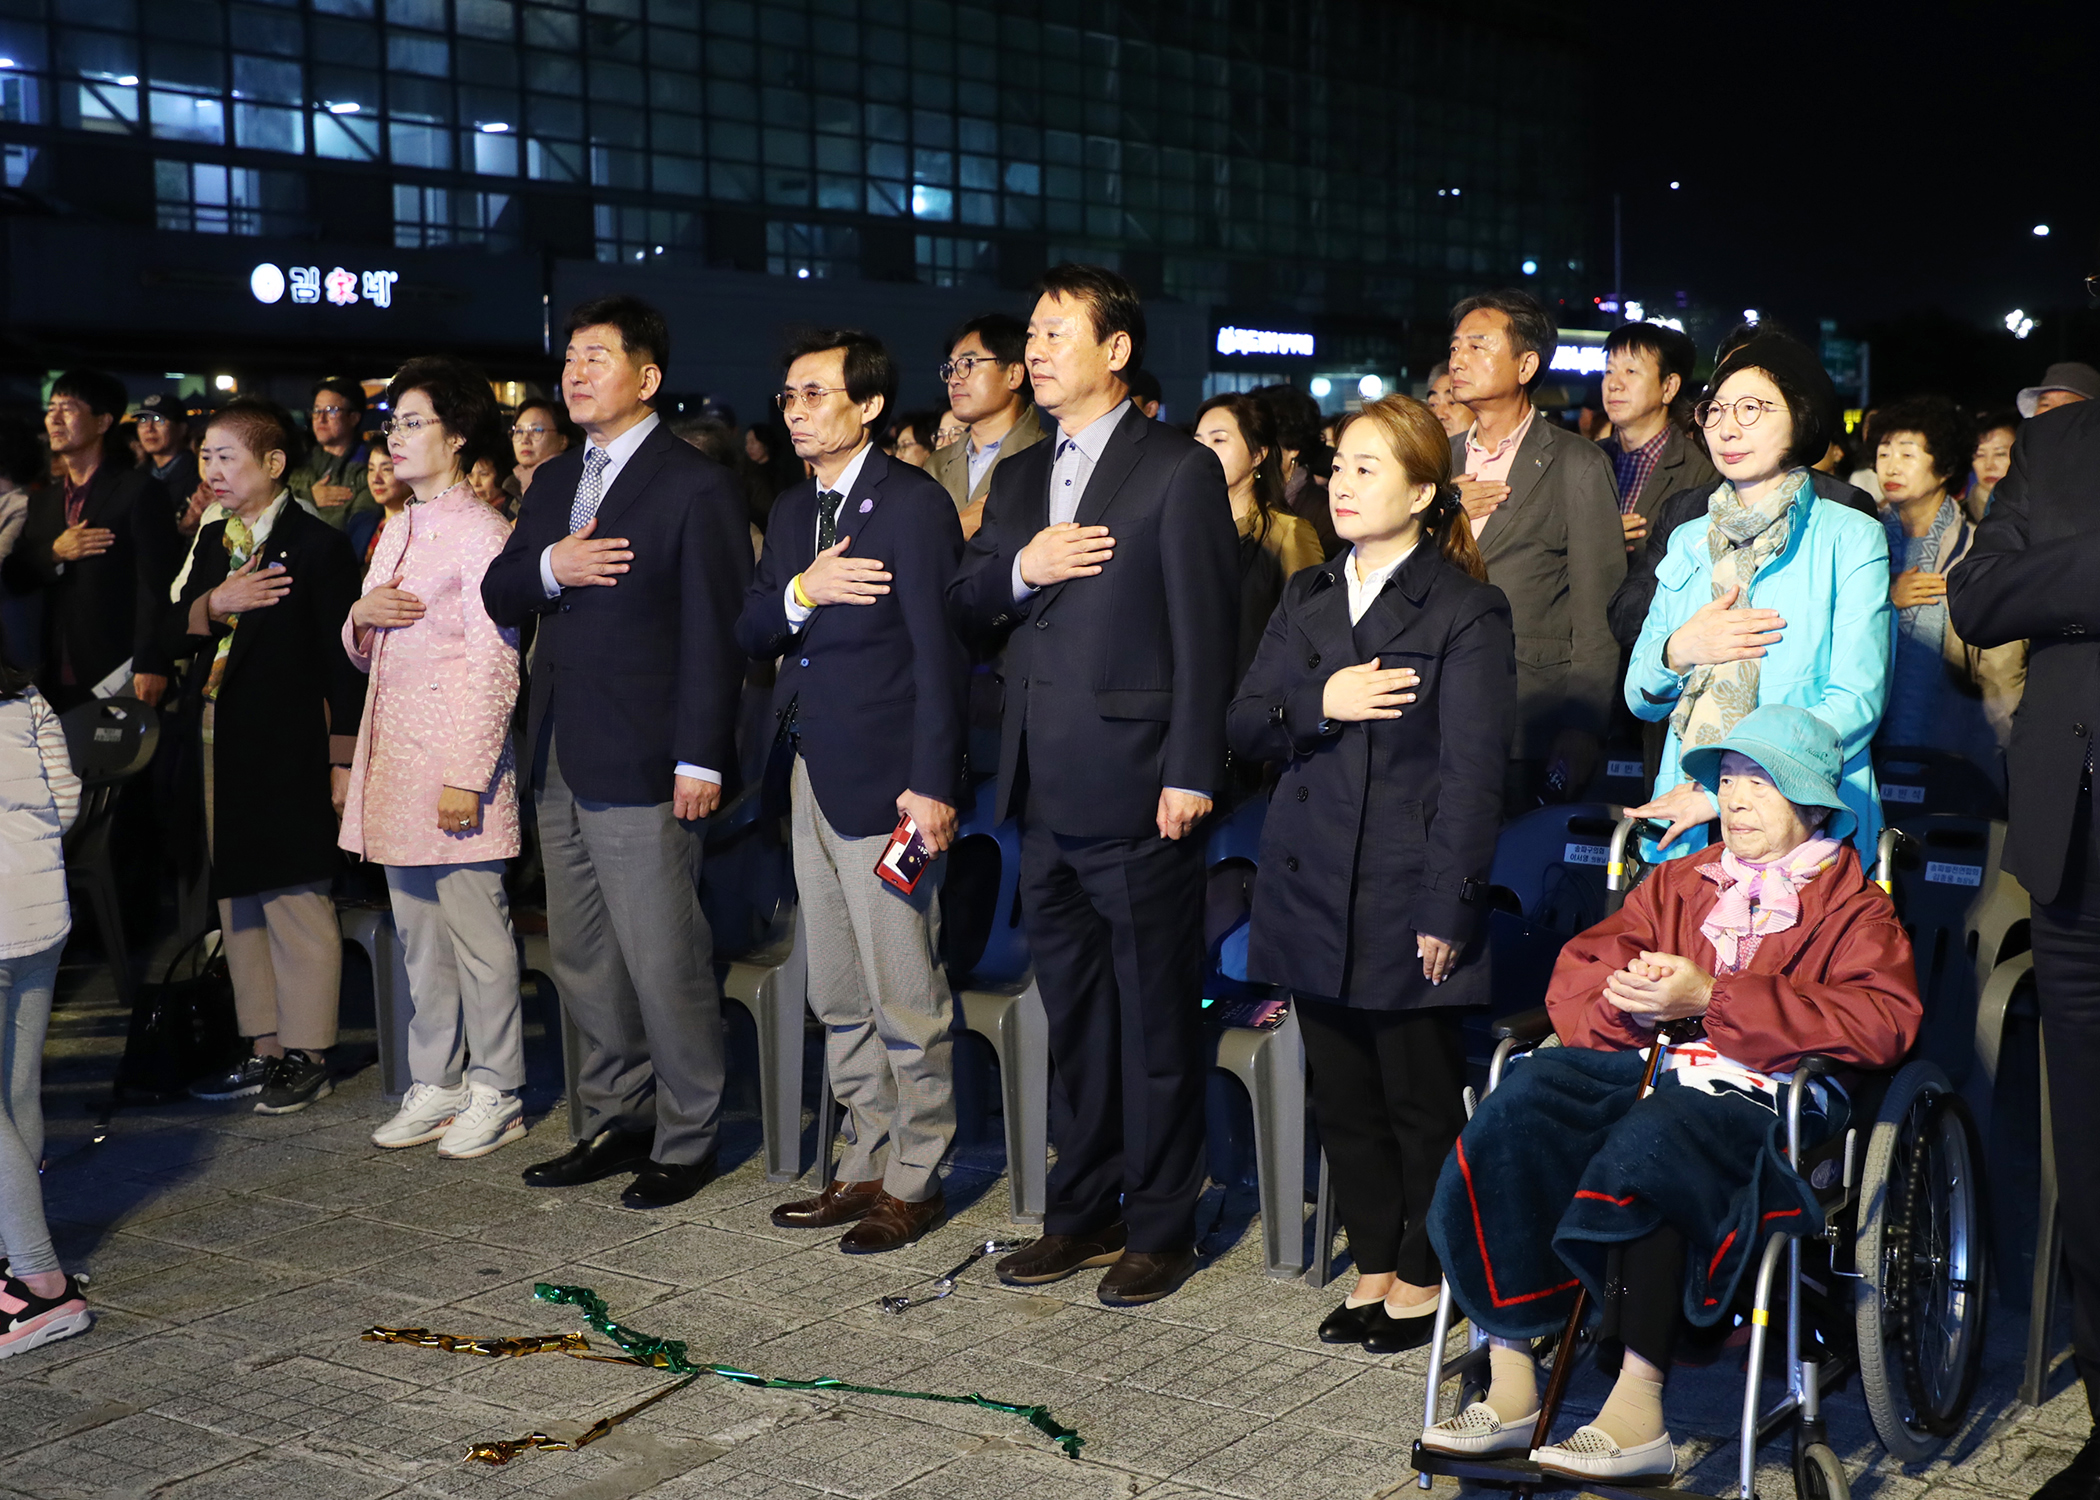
point(1386, 684)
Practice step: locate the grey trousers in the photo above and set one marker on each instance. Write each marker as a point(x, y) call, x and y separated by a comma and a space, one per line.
point(876, 983)
point(26, 985)
point(634, 963)
point(462, 958)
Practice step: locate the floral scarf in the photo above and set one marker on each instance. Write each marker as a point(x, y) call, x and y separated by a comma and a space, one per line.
point(1740, 540)
point(1759, 900)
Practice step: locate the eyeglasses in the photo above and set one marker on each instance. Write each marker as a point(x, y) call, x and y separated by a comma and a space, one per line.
point(1747, 409)
point(148, 418)
point(518, 432)
point(810, 397)
point(331, 411)
point(408, 425)
point(966, 366)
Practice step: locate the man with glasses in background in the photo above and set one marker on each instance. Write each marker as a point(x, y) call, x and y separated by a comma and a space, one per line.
point(331, 482)
point(988, 392)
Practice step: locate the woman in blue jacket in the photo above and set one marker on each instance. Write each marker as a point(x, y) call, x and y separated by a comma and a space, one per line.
point(1773, 596)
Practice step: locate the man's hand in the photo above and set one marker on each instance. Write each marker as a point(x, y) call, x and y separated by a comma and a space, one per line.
point(834, 578)
point(1659, 987)
point(693, 799)
point(1066, 550)
point(1364, 692)
point(1438, 957)
point(333, 496)
point(936, 820)
point(82, 540)
point(247, 589)
point(193, 512)
point(458, 810)
point(1635, 526)
point(1917, 587)
point(1180, 811)
point(1684, 807)
point(338, 788)
point(1720, 632)
point(580, 560)
point(1481, 497)
point(387, 607)
point(148, 688)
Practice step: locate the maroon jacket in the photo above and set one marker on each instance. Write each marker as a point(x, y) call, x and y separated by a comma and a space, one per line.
point(1841, 981)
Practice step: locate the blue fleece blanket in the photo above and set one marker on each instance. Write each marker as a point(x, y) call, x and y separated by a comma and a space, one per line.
point(1559, 1164)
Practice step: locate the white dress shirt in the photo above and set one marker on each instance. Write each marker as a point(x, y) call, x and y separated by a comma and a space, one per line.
point(797, 613)
point(1077, 453)
point(1371, 585)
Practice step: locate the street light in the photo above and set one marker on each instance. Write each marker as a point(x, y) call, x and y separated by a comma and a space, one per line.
point(1531, 268)
point(1322, 387)
point(1370, 387)
point(2018, 324)
point(2041, 231)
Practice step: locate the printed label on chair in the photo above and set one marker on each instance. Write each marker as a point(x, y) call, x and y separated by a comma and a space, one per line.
point(1939, 874)
point(1891, 792)
point(1625, 770)
point(1586, 854)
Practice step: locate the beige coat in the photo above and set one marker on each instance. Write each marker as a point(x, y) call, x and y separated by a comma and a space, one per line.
point(951, 465)
point(1997, 674)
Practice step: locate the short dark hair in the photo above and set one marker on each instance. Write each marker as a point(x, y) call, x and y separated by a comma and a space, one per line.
point(1674, 352)
point(352, 392)
point(923, 423)
point(557, 416)
point(643, 333)
point(1004, 337)
point(461, 397)
point(1112, 304)
point(1805, 386)
point(23, 455)
point(98, 390)
point(1295, 414)
point(263, 427)
point(711, 435)
point(1947, 431)
point(1531, 328)
point(2005, 419)
point(870, 371)
point(1743, 333)
point(1144, 386)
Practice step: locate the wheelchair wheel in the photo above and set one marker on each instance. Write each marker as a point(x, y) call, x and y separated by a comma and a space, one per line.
point(1818, 1475)
point(1920, 1255)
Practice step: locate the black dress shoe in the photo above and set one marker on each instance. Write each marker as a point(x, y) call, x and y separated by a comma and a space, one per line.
point(603, 1155)
point(1056, 1256)
point(2080, 1480)
point(1348, 1325)
point(663, 1183)
point(1386, 1334)
point(1145, 1276)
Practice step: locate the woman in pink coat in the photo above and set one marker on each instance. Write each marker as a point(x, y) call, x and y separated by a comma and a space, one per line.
point(433, 789)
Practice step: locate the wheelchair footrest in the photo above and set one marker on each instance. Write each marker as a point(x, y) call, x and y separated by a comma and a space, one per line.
point(1523, 1472)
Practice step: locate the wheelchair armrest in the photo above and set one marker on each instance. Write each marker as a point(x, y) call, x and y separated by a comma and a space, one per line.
point(1810, 1068)
point(1525, 1028)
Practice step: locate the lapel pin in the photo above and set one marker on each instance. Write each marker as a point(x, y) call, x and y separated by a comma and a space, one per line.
point(866, 506)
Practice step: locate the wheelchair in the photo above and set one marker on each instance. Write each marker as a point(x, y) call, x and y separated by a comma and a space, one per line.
point(1891, 1289)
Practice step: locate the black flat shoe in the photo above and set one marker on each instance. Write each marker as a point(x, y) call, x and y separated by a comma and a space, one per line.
point(663, 1183)
point(605, 1154)
point(1386, 1334)
point(1348, 1325)
point(2080, 1480)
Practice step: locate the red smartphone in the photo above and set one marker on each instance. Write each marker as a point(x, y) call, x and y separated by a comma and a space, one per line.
point(905, 857)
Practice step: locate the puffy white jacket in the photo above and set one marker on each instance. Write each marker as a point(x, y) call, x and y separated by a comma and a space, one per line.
point(39, 798)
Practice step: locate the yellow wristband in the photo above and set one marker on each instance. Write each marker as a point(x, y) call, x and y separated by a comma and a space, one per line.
point(800, 597)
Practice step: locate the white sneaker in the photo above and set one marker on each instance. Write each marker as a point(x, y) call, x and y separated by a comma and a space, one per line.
point(1477, 1432)
point(493, 1119)
point(1591, 1454)
point(423, 1115)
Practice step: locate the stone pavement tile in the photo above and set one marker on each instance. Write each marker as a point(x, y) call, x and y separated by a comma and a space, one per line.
point(112, 1257)
point(452, 1272)
point(691, 1255)
point(339, 1245)
point(1285, 1461)
point(315, 1319)
point(992, 1468)
point(278, 1399)
point(132, 1454)
point(847, 1452)
point(161, 1367)
point(1381, 1405)
point(830, 1349)
point(39, 1412)
point(548, 1386)
point(382, 1177)
point(422, 1441)
point(464, 1206)
point(1221, 1370)
point(972, 1316)
point(735, 1484)
point(1103, 1344)
point(719, 1329)
point(113, 1329)
point(226, 1225)
point(817, 1279)
point(568, 1231)
point(274, 1476)
point(198, 1287)
point(752, 1213)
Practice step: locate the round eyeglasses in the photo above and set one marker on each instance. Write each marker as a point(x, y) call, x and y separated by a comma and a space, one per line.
point(1746, 409)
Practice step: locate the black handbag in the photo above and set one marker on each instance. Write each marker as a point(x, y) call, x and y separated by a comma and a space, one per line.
point(182, 1028)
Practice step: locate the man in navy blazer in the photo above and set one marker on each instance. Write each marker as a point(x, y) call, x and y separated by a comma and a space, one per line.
point(851, 594)
point(632, 550)
point(1110, 552)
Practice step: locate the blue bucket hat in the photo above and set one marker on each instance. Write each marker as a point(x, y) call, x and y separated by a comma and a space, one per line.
point(1798, 751)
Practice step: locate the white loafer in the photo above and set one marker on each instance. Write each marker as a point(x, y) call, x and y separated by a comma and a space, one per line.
point(1591, 1454)
point(1477, 1432)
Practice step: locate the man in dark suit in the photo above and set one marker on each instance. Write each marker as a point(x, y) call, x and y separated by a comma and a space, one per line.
point(101, 545)
point(1647, 368)
point(633, 552)
point(1110, 551)
point(853, 588)
point(2029, 577)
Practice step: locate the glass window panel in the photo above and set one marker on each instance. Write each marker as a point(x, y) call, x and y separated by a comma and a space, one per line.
point(267, 78)
point(193, 68)
point(426, 14)
point(552, 29)
point(933, 166)
point(890, 199)
point(980, 208)
point(611, 167)
point(732, 101)
point(678, 133)
point(553, 73)
point(886, 122)
point(678, 51)
point(613, 126)
point(679, 91)
point(980, 172)
point(338, 44)
point(786, 107)
point(93, 55)
point(620, 10)
point(21, 103)
point(731, 60)
point(553, 161)
point(495, 19)
point(487, 63)
point(881, 44)
point(1024, 213)
point(490, 107)
point(420, 145)
point(616, 83)
point(932, 202)
point(493, 155)
point(788, 188)
point(609, 36)
point(929, 128)
point(259, 127)
point(787, 148)
point(841, 193)
point(838, 38)
point(188, 117)
point(835, 154)
point(562, 118)
point(733, 141)
point(933, 91)
point(412, 52)
point(423, 99)
point(106, 108)
point(733, 182)
point(344, 7)
point(345, 137)
point(685, 13)
point(885, 160)
point(678, 174)
point(1024, 177)
point(23, 45)
point(890, 85)
point(1063, 182)
point(841, 116)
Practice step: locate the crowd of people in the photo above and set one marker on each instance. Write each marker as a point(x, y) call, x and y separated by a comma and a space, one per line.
point(466, 636)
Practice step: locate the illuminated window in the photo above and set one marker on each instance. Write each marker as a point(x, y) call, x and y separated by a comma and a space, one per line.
point(426, 216)
point(952, 262)
point(204, 198)
point(807, 251)
point(647, 234)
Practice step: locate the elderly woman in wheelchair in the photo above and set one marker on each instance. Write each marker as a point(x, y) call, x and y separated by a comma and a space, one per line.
point(1653, 1181)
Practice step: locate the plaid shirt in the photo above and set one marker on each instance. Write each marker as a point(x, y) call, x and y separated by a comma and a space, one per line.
point(1632, 469)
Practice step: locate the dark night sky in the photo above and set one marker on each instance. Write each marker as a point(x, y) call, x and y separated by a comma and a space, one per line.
point(1878, 165)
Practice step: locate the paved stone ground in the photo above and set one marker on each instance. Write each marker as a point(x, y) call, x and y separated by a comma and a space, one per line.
point(237, 1257)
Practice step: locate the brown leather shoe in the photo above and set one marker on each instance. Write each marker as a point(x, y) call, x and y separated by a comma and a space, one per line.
point(839, 1203)
point(1143, 1276)
point(1056, 1256)
point(892, 1224)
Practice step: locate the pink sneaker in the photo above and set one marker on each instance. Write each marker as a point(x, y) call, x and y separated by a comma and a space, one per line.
point(34, 1321)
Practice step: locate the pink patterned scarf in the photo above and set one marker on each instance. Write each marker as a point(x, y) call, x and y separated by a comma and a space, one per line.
point(1758, 900)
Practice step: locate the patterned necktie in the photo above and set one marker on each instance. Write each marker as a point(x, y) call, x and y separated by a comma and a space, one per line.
point(240, 546)
point(828, 503)
point(590, 490)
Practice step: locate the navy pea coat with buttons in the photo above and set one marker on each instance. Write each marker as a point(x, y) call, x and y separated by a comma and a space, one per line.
point(877, 688)
point(1375, 828)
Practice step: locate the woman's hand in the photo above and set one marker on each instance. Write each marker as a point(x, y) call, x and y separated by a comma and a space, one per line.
point(339, 788)
point(387, 607)
point(247, 589)
point(1438, 957)
point(458, 811)
point(1659, 987)
point(1719, 632)
point(1685, 806)
point(1364, 692)
point(1917, 587)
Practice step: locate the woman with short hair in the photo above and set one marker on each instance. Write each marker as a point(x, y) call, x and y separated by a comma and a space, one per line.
point(1995, 432)
point(541, 430)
